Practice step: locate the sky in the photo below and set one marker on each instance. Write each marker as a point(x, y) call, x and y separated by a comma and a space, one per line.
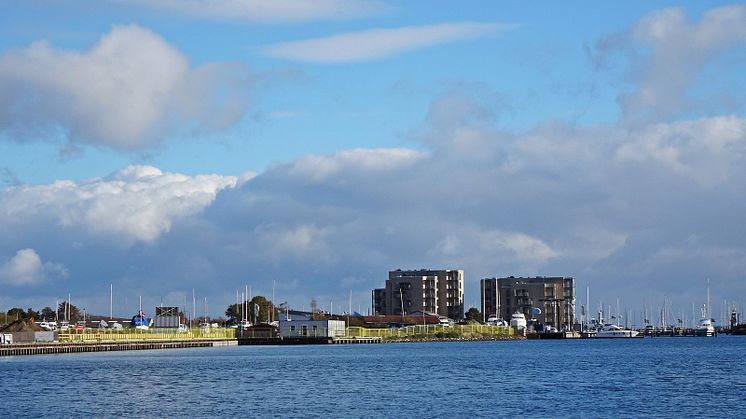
point(167, 147)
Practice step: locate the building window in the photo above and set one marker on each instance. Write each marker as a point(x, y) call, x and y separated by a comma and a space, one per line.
point(292, 328)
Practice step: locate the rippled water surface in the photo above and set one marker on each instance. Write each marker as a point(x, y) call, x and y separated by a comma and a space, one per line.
point(653, 377)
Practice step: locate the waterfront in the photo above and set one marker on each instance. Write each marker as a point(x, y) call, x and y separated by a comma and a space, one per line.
point(592, 378)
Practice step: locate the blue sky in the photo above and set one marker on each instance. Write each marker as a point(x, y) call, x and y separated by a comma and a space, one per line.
point(207, 144)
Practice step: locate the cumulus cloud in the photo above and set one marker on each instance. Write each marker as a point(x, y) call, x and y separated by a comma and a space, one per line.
point(135, 204)
point(27, 268)
point(667, 53)
point(380, 43)
point(705, 151)
point(128, 91)
point(268, 11)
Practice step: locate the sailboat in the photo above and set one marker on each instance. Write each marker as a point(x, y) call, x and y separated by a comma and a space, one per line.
point(140, 321)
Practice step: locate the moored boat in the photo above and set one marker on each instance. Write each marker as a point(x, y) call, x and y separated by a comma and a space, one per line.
point(518, 321)
point(614, 331)
point(705, 327)
point(140, 321)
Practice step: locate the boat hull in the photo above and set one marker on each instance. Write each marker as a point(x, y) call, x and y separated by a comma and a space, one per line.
point(739, 329)
point(705, 332)
point(617, 334)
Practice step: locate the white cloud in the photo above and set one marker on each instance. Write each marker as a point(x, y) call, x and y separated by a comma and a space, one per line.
point(488, 251)
point(268, 11)
point(127, 91)
point(667, 53)
point(705, 151)
point(27, 268)
point(380, 43)
point(320, 168)
point(137, 203)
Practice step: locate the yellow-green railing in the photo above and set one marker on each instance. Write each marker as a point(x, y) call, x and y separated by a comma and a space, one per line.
point(409, 332)
point(94, 335)
point(435, 332)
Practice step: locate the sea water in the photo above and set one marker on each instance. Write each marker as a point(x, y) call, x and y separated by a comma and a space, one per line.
point(651, 377)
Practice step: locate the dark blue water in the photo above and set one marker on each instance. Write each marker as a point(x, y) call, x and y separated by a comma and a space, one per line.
point(652, 377)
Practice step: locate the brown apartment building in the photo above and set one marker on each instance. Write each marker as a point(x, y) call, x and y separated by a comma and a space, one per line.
point(425, 290)
point(549, 300)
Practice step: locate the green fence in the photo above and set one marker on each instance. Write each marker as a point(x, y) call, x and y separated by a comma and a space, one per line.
point(105, 335)
point(435, 332)
point(423, 332)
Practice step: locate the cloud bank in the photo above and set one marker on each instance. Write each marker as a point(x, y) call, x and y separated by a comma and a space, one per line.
point(128, 91)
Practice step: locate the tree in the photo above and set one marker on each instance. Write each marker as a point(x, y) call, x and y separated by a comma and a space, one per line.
point(258, 309)
point(73, 313)
point(16, 313)
point(47, 313)
point(474, 314)
point(32, 314)
point(234, 313)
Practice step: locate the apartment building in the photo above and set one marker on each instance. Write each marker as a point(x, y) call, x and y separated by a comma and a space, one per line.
point(549, 300)
point(431, 291)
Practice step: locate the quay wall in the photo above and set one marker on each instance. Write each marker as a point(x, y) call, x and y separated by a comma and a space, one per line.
point(78, 347)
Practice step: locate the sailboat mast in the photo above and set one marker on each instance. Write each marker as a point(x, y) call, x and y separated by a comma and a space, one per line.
point(587, 302)
point(709, 312)
point(483, 283)
point(497, 299)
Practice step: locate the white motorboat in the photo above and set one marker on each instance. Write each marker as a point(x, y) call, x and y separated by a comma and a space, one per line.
point(518, 321)
point(614, 331)
point(705, 327)
point(493, 320)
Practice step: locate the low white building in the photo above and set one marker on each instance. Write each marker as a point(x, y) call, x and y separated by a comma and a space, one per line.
point(311, 328)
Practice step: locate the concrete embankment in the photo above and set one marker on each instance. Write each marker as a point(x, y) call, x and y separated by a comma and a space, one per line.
point(78, 347)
